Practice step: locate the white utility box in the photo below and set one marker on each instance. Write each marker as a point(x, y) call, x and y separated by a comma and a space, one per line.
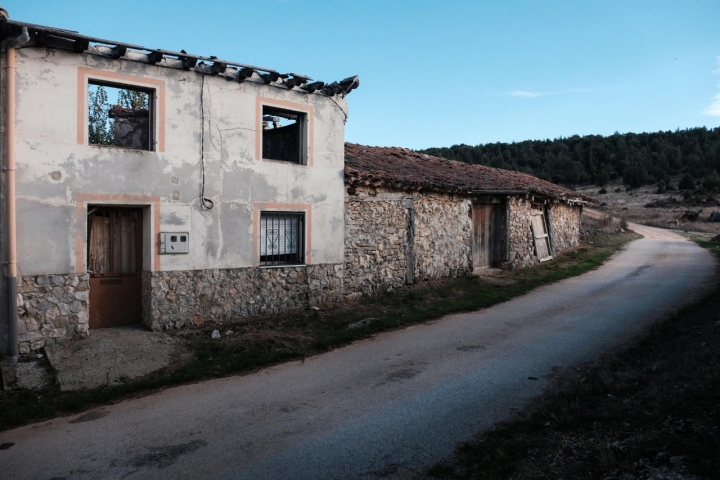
point(174, 242)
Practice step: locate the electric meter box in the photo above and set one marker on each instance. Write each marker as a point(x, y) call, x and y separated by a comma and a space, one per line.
point(174, 242)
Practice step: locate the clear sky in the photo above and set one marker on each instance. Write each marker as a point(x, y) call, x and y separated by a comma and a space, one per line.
point(438, 73)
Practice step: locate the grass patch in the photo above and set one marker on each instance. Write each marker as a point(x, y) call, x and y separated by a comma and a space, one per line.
point(250, 344)
point(712, 246)
point(651, 411)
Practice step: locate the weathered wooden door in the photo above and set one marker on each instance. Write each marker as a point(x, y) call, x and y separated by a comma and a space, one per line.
point(540, 235)
point(115, 265)
point(489, 234)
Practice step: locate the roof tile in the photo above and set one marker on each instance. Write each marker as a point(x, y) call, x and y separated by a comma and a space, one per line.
point(402, 168)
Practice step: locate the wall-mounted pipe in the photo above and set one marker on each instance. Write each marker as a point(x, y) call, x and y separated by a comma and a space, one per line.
point(12, 271)
point(23, 39)
point(10, 200)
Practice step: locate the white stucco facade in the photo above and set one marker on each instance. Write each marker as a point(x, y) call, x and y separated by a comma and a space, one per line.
point(59, 173)
point(207, 125)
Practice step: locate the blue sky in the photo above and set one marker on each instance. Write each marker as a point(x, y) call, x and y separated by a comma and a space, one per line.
point(438, 73)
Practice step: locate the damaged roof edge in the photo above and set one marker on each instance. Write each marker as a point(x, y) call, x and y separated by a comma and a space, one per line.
point(403, 169)
point(50, 37)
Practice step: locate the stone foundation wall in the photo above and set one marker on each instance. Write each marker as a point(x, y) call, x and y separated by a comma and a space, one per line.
point(182, 298)
point(389, 232)
point(564, 223)
point(442, 236)
point(376, 241)
point(391, 238)
point(51, 309)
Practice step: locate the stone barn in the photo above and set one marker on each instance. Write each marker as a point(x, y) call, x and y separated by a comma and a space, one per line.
point(411, 217)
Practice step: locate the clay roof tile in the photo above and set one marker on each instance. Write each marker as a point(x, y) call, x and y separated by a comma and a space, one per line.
point(391, 166)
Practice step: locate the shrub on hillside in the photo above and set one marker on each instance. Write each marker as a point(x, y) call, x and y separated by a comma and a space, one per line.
point(712, 181)
point(635, 176)
point(686, 183)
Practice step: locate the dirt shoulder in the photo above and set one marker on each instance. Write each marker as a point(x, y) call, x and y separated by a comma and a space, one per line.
point(649, 411)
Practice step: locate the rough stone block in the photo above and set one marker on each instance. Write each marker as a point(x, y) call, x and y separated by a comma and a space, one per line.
point(83, 296)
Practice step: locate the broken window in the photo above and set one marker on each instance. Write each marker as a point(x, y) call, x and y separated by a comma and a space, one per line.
point(282, 238)
point(283, 136)
point(119, 116)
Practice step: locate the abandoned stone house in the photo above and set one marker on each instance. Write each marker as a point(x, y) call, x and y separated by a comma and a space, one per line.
point(213, 188)
point(158, 187)
point(411, 217)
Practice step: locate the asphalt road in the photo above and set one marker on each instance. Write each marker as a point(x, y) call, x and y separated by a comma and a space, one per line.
point(380, 408)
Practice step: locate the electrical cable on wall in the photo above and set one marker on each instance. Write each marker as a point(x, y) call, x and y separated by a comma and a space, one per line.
point(338, 105)
point(205, 202)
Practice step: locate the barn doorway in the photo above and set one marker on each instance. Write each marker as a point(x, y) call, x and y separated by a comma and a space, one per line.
point(114, 259)
point(489, 239)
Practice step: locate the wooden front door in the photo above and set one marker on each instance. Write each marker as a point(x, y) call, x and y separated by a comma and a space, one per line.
point(488, 240)
point(115, 265)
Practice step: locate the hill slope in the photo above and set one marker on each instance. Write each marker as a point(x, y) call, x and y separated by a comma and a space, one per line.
point(636, 158)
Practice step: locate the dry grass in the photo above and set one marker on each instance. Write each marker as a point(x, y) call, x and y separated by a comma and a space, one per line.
point(650, 411)
point(667, 212)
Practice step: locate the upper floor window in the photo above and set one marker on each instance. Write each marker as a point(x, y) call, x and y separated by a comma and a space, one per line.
point(120, 116)
point(284, 135)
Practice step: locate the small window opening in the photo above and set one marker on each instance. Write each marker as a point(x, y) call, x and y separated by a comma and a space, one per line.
point(119, 116)
point(282, 238)
point(283, 135)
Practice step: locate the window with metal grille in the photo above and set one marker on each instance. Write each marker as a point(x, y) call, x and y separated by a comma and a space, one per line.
point(282, 238)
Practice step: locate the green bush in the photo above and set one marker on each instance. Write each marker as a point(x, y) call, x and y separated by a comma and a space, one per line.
point(686, 183)
point(635, 176)
point(712, 181)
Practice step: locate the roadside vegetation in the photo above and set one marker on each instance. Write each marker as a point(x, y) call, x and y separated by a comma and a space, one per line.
point(650, 411)
point(688, 211)
point(247, 345)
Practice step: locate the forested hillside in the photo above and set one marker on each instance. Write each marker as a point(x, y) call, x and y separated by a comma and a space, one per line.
point(638, 159)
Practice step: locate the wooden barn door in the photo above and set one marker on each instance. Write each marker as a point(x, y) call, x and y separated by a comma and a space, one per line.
point(488, 241)
point(540, 235)
point(115, 265)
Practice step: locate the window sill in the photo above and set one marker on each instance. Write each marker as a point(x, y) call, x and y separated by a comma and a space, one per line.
point(289, 265)
point(115, 147)
point(287, 162)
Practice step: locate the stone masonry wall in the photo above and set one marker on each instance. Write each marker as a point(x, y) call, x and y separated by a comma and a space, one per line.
point(564, 225)
point(376, 233)
point(563, 228)
point(521, 249)
point(385, 231)
point(443, 236)
point(182, 298)
point(51, 309)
